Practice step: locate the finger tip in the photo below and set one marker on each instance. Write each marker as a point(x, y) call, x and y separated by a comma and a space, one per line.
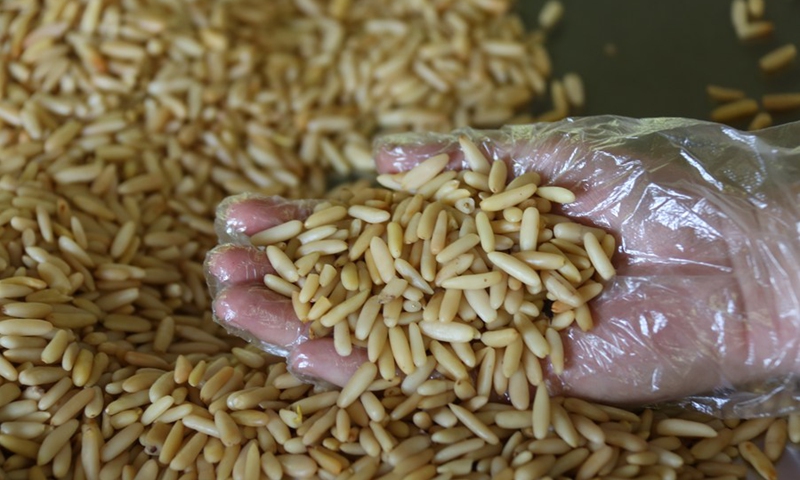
point(247, 214)
point(214, 265)
point(244, 213)
point(401, 152)
point(388, 159)
point(317, 360)
point(256, 313)
point(234, 264)
point(221, 307)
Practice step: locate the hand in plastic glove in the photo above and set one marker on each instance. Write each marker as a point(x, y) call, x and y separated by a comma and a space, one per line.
point(707, 296)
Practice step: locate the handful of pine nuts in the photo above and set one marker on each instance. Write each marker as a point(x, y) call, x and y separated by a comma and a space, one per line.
point(444, 270)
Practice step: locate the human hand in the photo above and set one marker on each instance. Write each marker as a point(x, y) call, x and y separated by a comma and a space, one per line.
point(705, 219)
point(235, 272)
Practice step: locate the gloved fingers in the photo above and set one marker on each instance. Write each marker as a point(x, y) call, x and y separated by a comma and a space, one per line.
point(229, 264)
point(595, 156)
point(547, 148)
point(401, 152)
point(258, 314)
point(235, 271)
point(538, 148)
point(317, 360)
point(610, 185)
point(558, 152)
point(241, 216)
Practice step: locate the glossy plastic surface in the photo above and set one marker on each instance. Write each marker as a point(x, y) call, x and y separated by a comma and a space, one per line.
point(707, 220)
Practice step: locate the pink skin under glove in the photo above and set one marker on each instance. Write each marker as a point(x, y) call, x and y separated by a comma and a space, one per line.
point(706, 220)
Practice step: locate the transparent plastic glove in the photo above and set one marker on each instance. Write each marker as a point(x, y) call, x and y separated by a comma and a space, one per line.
point(235, 273)
point(706, 303)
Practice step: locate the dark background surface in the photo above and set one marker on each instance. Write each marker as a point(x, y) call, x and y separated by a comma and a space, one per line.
point(667, 51)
